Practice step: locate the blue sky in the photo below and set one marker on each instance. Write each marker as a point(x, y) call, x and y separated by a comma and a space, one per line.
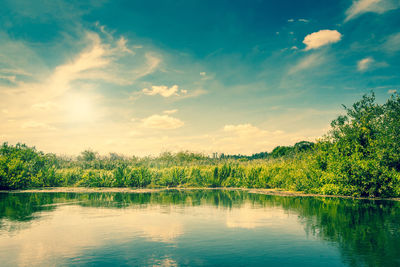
point(142, 77)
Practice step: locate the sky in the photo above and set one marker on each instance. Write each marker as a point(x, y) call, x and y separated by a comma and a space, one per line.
point(145, 77)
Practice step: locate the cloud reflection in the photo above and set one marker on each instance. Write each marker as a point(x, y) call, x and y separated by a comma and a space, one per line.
point(70, 231)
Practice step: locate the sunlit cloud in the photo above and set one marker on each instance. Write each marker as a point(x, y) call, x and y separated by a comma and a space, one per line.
point(299, 20)
point(321, 38)
point(45, 105)
point(365, 63)
point(15, 72)
point(10, 78)
point(121, 43)
point(392, 44)
point(245, 130)
point(307, 62)
point(370, 63)
point(193, 93)
point(35, 125)
point(165, 91)
point(170, 111)
point(162, 90)
point(152, 63)
point(162, 122)
point(304, 20)
point(360, 7)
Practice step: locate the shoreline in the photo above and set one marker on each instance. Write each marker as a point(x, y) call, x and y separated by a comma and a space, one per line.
point(265, 191)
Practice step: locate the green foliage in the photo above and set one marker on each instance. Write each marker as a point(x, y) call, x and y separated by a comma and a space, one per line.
point(23, 167)
point(362, 151)
point(281, 151)
point(88, 155)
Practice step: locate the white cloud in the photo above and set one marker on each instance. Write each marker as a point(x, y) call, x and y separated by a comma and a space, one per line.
point(162, 90)
point(93, 58)
point(370, 63)
point(121, 43)
point(321, 38)
point(300, 20)
point(162, 122)
point(165, 91)
point(36, 125)
point(10, 78)
point(359, 7)
point(365, 63)
point(205, 76)
point(304, 20)
point(392, 43)
point(152, 64)
point(96, 63)
point(244, 130)
point(308, 61)
point(192, 93)
point(376, 6)
point(45, 105)
point(15, 72)
point(171, 111)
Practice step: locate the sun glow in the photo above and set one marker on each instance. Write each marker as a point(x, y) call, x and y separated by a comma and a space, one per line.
point(79, 108)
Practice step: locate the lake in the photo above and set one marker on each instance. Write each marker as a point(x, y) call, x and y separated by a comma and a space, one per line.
point(194, 228)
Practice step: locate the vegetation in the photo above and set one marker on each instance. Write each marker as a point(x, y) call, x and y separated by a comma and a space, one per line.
point(360, 156)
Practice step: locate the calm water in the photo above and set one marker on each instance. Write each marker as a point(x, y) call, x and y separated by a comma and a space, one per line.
point(198, 227)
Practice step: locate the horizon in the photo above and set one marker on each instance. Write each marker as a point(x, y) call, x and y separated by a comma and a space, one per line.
point(212, 155)
point(231, 77)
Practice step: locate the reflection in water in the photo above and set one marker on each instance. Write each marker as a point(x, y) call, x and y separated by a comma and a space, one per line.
point(196, 227)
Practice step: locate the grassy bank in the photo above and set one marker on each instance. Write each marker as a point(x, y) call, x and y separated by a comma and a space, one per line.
point(360, 156)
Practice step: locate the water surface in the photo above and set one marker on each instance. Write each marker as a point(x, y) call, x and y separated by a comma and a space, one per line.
point(196, 227)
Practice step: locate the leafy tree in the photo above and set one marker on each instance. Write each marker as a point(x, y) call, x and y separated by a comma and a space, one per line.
point(303, 146)
point(281, 151)
point(22, 167)
point(362, 149)
point(88, 155)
